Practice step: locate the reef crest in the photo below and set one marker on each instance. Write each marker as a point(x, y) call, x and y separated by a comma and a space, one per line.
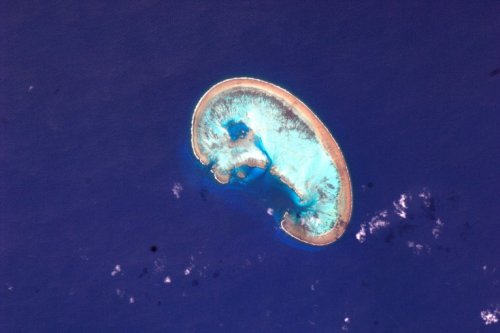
point(241, 124)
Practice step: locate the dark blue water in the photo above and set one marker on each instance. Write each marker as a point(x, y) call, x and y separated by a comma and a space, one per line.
point(95, 107)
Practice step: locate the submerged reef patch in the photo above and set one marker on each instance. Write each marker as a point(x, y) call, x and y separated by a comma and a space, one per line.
point(245, 124)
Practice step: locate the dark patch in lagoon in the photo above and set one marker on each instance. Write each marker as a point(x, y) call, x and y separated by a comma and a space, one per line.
point(143, 273)
point(367, 186)
point(204, 193)
point(464, 234)
point(403, 228)
point(495, 72)
point(237, 130)
point(444, 248)
point(389, 239)
point(454, 197)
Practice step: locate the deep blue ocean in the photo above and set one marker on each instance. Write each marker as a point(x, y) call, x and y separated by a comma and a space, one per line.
point(108, 223)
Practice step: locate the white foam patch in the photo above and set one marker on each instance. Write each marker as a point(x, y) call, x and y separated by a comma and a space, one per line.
point(314, 285)
point(405, 204)
point(177, 189)
point(159, 265)
point(270, 211)
point(436, 229)
point(189, 269)
point(120, 293)
point(418, 248)
point(361, 234)
point(425, 195)
point(490, 316)
point(345, 326)
point(116, 270)
point(376, 223)
point(401, 205)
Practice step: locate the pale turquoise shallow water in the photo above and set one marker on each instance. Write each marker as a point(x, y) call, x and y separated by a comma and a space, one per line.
point(245, 125)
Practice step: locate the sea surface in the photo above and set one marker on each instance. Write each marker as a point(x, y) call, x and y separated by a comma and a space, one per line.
point(108, 223)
